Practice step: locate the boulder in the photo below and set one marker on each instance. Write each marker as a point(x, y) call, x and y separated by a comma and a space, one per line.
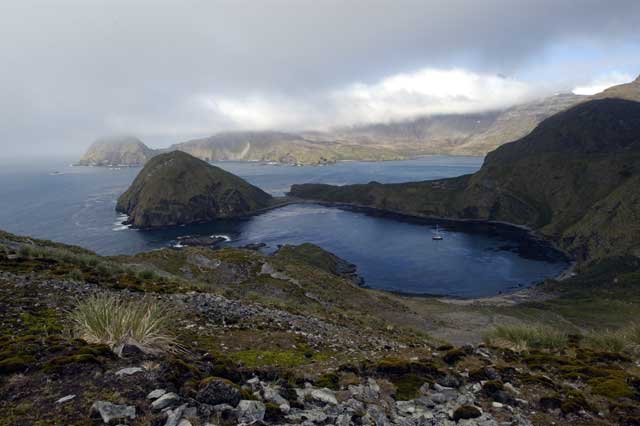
point(250, 411)
point(112, 413)
point(166, 400)
point(218, 391)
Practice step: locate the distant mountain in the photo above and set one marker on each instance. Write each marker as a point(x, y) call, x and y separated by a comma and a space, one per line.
point(574, 179)
point(117, 151)
point(281, 147)
point(514, 123)
point(473, 134)
point(177, 189)
point(437, 134)
point(451, 134)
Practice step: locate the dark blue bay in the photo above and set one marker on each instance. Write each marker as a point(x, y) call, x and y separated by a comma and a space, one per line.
point(392, 253)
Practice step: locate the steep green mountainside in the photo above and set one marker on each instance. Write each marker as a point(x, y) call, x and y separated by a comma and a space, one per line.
point(176, 188)
point(117, 151)
point(572, 179)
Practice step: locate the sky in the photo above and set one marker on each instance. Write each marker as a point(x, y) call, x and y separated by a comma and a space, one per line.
point(169, 71)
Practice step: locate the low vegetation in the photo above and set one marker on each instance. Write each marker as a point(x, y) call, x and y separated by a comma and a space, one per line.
point(522, 337)
point(113, 321)
point(526, 336)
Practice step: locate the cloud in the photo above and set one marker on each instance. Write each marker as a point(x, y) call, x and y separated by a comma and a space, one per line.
point(397, 97)
point(75, 70)
point(604, 82)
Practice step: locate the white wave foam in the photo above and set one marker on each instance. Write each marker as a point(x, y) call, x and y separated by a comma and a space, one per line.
point(119, 224)
point(226, 237)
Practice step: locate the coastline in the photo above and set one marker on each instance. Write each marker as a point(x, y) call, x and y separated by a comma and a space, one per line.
point(525, 294)
point(395, 215)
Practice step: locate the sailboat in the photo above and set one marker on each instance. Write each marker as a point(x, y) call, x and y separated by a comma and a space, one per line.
point(437, 236)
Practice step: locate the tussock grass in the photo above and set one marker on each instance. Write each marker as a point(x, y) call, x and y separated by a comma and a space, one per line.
point(632, 333)
point(117, 322)
point(526, 336)
point(537, 336)
point(607, 340)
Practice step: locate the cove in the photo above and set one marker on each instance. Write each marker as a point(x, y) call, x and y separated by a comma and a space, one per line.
point(392, 252)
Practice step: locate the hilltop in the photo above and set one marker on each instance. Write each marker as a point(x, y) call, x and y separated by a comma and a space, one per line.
point(176, 188)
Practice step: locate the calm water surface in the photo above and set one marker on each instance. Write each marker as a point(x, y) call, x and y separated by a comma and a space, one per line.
point(77, 205)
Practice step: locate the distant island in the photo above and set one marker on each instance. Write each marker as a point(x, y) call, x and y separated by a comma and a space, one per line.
point(444, 134)
point(117, 151)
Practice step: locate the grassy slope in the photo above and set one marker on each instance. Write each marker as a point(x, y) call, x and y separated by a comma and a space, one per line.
point(35, 344)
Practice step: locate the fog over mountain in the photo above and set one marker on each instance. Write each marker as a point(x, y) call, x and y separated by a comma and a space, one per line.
point(168, 72)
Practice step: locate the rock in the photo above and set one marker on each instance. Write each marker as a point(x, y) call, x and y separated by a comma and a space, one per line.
point(377, 416)
point(155, 394)
point(466, 412)
point(250, 411)
point(225, 414)
point(510, 388)
point(111, 413)
point(253, 382)
point(324, 395)
point(449, 380)
point(65, 399)
point(174, 416)
point(166, 400)
point(344, 420)
point(491, 373)
point(497, 404)
point(314, 416)
point(406, 407)
point(184, 422)
point(129, 371)
point(190, 412)
point(219, 391)
point(200, 241)
point(129, 351)
point(270, 394)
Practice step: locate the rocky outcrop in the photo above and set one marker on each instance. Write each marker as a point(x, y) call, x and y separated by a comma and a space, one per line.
point(176, 189)
point(316, 256)
point(123, 151)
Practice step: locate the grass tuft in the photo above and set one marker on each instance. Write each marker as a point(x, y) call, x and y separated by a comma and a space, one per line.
point(113, 321)
point(606, 340)
point(527, 336)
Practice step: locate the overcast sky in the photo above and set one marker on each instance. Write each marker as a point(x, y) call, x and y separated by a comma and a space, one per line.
point(168, 71)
